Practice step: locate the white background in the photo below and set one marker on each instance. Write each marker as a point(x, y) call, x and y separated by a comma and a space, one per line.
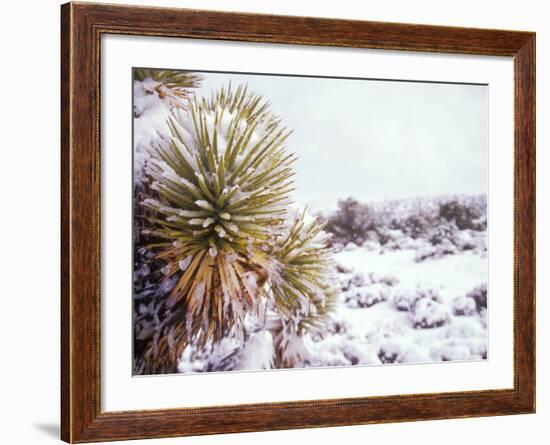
point(30, 219)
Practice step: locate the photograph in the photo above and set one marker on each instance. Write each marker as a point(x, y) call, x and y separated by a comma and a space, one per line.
point(290, 221)
point(282, 219)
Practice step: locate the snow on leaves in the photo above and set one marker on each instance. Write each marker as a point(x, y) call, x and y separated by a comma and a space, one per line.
point(216, 204)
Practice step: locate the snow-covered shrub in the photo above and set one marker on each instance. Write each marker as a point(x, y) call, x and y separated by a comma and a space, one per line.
point(370, 244)
point(447, 239)
point(442, 233)
point(351, 246)
point(340, 268)
point(479, 295)
point(335, 326)
point(407, 224)
point(405, 299)
point(464, 305)
point(341, 350)
point(393, 351)
point(463, 339)
point(359, 290)
point(360, 353)
point(425, 305)
point(425, 253)
point(428, 313)
point(417, 225)
point(448, 353)
point(350, 223)
point(387, 279)
point(446, 247)
point(465, 240)
point(390, 355)
point(466, 215)
point(350, 280)
point(366, 296)
point(464, 328)
point(394, 239)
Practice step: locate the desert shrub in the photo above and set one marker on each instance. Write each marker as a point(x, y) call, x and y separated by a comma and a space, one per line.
point(464, 305)
point(425, 305)
point(351, 280)
point(479, 295)
point(399, 352)
point(406, 224)
point(350, 223)
point(464, 215)
point(464, 240)
point(361, 297)
point(359, 290)
point(432, 252)
point(389, 356)
point(341, 268)
point(387, 279)
point(429, 313)
point(336, 326)
point(445, 231)
point(405, 299)
point(383, 236)
point(449, 353)
point(416, 225)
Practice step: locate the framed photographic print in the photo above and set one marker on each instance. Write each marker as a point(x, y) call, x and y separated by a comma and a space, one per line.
point(274, 222)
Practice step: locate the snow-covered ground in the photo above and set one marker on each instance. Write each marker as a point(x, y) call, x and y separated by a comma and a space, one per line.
point(393, 309)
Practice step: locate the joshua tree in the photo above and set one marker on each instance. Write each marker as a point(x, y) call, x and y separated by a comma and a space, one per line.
point(170, 85)
point(221, 243)
point(155, 94)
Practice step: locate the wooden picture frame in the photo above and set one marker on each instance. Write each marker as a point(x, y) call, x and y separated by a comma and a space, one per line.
point(82, 26)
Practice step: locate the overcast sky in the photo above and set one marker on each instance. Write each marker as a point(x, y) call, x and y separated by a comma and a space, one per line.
point(375, 140)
